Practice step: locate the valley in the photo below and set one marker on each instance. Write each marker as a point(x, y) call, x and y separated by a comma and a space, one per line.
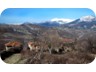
point(49, 42)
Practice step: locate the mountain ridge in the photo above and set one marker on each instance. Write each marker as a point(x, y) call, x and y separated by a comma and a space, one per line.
point(84, 22)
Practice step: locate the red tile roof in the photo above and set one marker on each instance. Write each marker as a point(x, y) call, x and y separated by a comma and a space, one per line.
point(13, 44)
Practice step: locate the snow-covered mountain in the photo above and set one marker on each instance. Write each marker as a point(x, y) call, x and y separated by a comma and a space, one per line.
point(55, 22)
point(61, 20)
point(85, 22)
point(88, 18)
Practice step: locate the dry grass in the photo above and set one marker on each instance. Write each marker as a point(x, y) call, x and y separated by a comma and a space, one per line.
point(31, 57)
point(68, 58)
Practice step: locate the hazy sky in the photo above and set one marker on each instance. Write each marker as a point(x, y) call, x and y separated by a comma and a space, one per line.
point(20, 15)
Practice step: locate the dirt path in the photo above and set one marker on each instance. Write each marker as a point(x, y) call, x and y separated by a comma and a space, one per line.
point(13, 59)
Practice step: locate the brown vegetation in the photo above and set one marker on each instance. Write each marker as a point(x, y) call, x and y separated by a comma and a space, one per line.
point(47, 45)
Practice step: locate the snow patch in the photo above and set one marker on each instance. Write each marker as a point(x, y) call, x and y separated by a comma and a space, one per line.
point(61, 20)
point(88, 18)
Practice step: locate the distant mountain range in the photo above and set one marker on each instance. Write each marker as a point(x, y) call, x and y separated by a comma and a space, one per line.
point(86, 22)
